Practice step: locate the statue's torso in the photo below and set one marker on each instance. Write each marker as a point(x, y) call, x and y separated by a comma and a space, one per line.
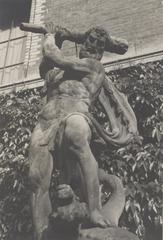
point(71, 91)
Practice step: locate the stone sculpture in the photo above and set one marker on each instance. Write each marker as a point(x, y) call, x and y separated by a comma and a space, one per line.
point(62, 137)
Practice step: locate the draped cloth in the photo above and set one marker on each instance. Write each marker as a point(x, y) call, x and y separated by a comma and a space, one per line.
point(122, 123)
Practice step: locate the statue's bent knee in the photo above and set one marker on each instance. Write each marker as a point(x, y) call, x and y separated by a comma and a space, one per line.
point(77, 130)
point(34, 178)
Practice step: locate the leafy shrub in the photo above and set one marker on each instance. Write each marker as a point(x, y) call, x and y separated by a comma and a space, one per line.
point(138, 166)
point(18, 113)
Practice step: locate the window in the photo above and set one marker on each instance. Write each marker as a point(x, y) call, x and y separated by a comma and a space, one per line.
point(12, 39)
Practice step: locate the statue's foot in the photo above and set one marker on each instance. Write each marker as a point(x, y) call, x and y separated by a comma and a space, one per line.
point(97, 220)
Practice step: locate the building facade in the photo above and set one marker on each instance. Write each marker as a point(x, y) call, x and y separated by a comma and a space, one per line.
point(140, 22)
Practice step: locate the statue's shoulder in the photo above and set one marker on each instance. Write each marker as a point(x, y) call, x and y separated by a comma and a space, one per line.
point(46, 65)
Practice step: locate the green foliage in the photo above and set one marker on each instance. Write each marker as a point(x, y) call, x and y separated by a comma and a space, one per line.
point(18, 115)
point(143, 84)
point(137, 166)
point(140, 166)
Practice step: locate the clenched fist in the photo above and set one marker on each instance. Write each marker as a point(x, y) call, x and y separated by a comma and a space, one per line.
point(59, 32)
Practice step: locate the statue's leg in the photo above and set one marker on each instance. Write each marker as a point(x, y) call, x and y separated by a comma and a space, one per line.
point(41, 166)
point(77, 137)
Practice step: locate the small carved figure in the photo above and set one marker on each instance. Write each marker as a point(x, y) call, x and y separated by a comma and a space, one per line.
point(62, 137)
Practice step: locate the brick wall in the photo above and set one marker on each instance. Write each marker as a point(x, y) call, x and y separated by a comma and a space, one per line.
point(140, 21)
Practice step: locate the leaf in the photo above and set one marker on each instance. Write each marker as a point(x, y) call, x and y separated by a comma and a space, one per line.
point(154, 208)
point(128, 157)
point(19, 227)
point(136, 218)
point(121, 150)
point(9, 102)
point(151, 165)
point(134, 167)
point(15, 183)
point(127, 205)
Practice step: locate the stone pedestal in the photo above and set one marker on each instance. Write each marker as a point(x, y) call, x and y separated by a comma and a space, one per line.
point(112, 233)
point(70, 214)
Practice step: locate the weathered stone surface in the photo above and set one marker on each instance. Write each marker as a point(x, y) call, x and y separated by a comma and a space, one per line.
point(113, 233)
point(63, 133)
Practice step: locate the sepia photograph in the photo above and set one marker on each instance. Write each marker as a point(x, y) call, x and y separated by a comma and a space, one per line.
point(81, 119)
